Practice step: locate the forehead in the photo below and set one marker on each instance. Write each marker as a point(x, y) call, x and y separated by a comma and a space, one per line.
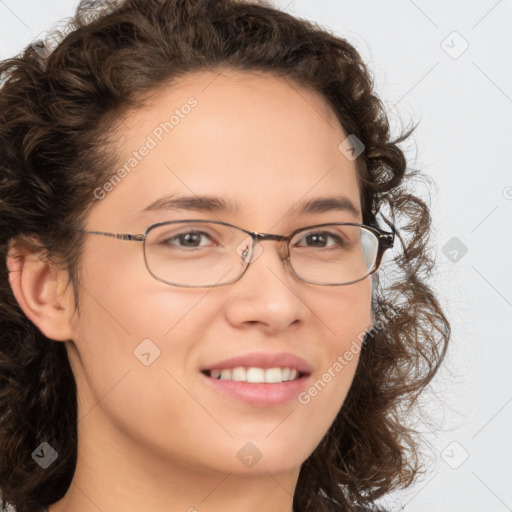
point(256, 140)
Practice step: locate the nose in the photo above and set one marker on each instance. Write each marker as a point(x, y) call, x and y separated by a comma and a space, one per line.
point(268, 295)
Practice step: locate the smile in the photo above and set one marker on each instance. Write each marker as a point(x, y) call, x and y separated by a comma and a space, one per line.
point(255, 375)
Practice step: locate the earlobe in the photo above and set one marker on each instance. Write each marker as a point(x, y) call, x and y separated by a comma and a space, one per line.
point(38, 288)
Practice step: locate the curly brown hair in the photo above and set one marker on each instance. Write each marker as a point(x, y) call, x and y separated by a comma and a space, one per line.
point(57, 112)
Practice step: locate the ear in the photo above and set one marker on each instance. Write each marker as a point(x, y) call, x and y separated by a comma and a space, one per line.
point(41, 291)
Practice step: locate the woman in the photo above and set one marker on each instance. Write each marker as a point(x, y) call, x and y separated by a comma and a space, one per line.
point(158, 352)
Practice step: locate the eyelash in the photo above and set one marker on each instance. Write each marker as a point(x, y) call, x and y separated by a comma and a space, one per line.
point(167, 241)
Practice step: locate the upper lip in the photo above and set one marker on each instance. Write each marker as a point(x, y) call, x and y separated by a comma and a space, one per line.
point(263, 360)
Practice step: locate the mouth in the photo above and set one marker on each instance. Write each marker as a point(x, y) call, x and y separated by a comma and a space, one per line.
point(260, 380)
point(256, 375)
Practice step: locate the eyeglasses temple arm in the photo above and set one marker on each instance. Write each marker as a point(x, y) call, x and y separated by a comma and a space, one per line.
point(118, 236)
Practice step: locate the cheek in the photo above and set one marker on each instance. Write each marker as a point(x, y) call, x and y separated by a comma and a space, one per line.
point(353, 322)
point(124, 314)
point(122, 298)
point(122, 327)
point(346, 314)
point(345, 319)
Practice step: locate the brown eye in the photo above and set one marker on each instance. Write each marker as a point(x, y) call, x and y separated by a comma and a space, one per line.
point(321, 239)
point(190, 239)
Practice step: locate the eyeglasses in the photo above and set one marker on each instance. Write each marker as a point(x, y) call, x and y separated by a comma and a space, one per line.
point(207, 253)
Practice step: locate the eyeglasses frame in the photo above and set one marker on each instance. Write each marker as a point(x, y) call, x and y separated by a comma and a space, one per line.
point(385, 240)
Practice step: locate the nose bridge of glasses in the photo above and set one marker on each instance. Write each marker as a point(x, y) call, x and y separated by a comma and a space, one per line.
point(261, 237)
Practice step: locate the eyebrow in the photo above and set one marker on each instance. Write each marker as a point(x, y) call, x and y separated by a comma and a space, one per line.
point(213, 204)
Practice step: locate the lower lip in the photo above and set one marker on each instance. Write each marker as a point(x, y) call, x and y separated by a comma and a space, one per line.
point(260, 395)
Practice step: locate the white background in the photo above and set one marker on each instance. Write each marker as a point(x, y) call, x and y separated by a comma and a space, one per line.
point(464, 104)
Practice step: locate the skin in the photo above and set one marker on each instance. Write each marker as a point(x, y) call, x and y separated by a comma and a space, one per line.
point(156, 437)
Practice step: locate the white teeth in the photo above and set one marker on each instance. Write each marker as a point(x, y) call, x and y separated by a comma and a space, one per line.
point(225, 374)
point(238, 374)
point(256, 375)
point(273, 375)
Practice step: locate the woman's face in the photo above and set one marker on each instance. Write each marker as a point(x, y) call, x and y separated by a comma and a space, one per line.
point(141, 348)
